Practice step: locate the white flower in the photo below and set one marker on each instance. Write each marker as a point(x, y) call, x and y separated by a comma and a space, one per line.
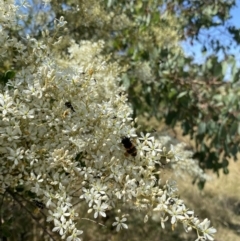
point(100, 187)
point(5, 104)
point(49, 197)
point(175, 153)
point(15, 155)
point(61, 213)
point(177, 214)
point(147, 139)
point(162, 203)
point(163, 220)
point(59, 226)
point(152, 148)
point(92, 197)
point(120, 223)
point(11, 133)
point(26, 113)
point(100, 208)
point(73, 236)
point(207, 232)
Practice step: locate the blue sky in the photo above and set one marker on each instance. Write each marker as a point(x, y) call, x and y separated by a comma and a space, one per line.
point(236, 15)
point(195, 48)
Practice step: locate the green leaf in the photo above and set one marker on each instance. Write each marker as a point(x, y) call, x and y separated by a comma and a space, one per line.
point(171, 118)
point(172, 93)
point(182, 94)
point(4, 78)
point(126, 81)
point(201, 184)
point(225, 170)
point(186, 127)
point(202, 128)
point(224, 67)
point(234, 128)
point(10, 74)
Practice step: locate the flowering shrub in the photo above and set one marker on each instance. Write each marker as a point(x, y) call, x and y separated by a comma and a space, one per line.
point(63, 118)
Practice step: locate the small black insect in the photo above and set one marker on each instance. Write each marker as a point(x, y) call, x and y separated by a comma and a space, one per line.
point(69, 105)
point(130, 148)
point(171, 201)
point(39, 204)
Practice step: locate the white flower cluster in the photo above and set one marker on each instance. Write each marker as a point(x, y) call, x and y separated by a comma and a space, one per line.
point(183, 162)
point(61, 128)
